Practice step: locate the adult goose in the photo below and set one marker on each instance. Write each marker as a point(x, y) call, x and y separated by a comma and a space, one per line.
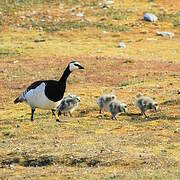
point(47, 94)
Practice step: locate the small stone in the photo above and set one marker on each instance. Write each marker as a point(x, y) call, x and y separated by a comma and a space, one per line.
point(177, 130)
point(108, 2)
point(73, 10)
point(16, 61)
point(11, 166)
point(79, 14)
point(165, 34)
point(17, 125)
point(151, 39)
point(150, 17)
point(121, 45)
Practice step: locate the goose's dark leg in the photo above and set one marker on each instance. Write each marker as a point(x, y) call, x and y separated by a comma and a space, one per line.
point(59, 113)
point(53, 112)
point(32, 114)
point(70, 114)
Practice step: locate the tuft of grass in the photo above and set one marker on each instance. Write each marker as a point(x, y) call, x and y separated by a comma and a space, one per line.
point(174, 18)
point(5, 52)
point(131, 82)
point(112, 27)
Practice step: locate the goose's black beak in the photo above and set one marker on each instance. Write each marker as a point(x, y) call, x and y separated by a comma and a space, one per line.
point(80, 67)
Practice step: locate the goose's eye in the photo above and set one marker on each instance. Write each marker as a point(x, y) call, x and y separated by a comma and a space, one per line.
point(78, 65)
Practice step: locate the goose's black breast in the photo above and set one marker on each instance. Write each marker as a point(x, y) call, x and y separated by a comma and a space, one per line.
point(54, 91)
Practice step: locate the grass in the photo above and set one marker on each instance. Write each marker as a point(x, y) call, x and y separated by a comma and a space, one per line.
point(37, 42)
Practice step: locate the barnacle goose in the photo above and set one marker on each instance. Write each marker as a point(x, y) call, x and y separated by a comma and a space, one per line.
point(116, 107)
point(144, 103)
point(46, 94)
point(68, 104)
point(104, 100)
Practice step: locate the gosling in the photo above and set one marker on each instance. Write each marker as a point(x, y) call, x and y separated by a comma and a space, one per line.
point(116, 107)
point(68, 104)
point(145, 103)
point(104, 100)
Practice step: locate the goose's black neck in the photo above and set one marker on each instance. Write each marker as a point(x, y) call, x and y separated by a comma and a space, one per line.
point(65, 75)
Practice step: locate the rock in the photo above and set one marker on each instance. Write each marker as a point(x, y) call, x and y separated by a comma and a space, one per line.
point(73, 10)
point(151, 39)
point(150, 17)
point(179, 91)
point(39, 40)
point(16, 61)
point(17, 125)
point(177, 130)
point(121, 45)
point(79, 14)
point(107, 3)
point(165, 34)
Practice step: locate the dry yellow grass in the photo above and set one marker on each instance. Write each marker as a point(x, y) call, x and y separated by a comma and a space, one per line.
point(37, 42)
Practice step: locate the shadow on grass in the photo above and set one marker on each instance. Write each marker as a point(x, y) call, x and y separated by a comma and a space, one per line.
point(171, 102)
point(30, 162)
point(95, 161)
point(10, 161)
point(39, 162)
point(67, 160)
point(137, 118)
point(71, 161)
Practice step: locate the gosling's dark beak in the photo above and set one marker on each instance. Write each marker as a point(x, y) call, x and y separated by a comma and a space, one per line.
point(125, 110)
point(155, 108)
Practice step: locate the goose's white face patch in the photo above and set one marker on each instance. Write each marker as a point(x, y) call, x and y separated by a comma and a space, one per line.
point(74, 65)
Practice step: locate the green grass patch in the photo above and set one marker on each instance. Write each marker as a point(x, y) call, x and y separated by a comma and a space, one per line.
point(130, 82)
point(5, 52)
point(174, 18)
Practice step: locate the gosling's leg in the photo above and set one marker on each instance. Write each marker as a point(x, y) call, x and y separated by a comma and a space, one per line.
point(70, 114)
point(100, 111)
point(113, 116)
point(145, 115)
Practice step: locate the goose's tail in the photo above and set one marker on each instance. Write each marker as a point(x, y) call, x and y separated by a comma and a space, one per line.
point(19, 99)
